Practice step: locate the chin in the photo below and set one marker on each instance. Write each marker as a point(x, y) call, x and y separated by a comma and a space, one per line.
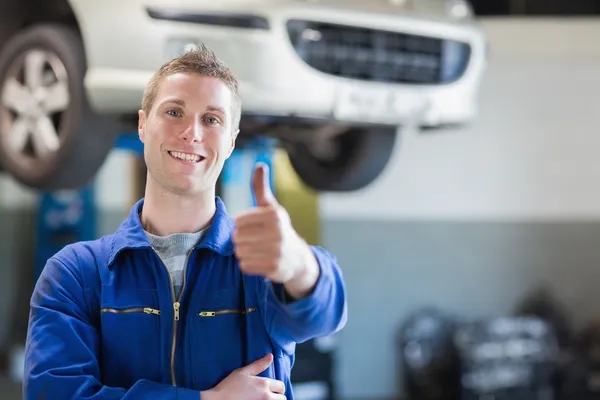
point(185, 190)
point(188, 188)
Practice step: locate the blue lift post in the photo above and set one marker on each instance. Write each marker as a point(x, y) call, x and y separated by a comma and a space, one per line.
point(235, 186)
point(66, 217)
point(63, 217)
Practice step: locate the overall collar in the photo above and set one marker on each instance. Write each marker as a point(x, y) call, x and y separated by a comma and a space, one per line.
point(131, 235)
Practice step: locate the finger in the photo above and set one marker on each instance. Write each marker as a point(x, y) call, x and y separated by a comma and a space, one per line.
point(258, 250)
point(266, 229)
point(258, 266)
point(259, 216)
point(276, 396)
point(258, 366)
point(276, 386)
point(252, 235)
point(261, 185)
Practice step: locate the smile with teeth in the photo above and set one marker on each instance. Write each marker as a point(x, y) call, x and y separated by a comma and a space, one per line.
point(186, 156)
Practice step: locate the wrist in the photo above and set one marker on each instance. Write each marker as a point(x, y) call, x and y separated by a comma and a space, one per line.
point(305, 279)
point(208, 395)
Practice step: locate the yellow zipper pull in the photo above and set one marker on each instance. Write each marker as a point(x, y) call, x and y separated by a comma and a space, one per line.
point(176, 308)
point(208, 314)
point(148, 310)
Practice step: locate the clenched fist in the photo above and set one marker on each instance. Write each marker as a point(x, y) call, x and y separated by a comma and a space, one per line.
point(266, 244)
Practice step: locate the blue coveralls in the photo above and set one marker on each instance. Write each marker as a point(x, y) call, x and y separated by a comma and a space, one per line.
point(105, 324)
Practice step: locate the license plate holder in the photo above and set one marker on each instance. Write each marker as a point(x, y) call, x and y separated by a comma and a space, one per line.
point(379, 105)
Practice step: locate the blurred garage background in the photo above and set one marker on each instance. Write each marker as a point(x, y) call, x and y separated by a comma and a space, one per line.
point(472, 262)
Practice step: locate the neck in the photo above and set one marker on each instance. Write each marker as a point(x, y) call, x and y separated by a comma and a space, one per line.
point(166, 213)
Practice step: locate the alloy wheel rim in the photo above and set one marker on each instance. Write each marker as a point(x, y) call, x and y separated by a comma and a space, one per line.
point(33, 103)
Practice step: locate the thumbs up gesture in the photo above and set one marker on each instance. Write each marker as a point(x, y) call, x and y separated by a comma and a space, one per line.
point(266, 244)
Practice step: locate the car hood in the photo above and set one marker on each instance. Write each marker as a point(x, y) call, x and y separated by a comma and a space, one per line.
point(423, 8)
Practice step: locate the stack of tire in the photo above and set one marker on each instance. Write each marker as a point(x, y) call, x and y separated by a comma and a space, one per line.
point(429, 358)
point(507, 358)
point(501, 358)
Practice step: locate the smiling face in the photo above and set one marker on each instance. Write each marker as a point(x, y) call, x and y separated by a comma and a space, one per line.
point(188, 133)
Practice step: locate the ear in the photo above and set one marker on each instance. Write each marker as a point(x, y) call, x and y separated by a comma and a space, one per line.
point(141, 123)
point(232, 143)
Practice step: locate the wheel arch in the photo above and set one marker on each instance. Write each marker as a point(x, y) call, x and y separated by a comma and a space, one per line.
point(18, 15)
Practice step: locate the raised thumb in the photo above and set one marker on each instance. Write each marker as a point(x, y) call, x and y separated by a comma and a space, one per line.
point(258, 366)
point(261, 185)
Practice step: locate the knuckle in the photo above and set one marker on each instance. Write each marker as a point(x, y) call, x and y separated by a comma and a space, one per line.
point(264, 384)
point(273, 215)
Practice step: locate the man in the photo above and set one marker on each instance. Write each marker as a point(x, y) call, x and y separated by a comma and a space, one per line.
point(183, 301)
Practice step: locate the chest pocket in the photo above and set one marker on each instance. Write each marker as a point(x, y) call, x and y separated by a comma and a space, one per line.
point(228, 333)
point(130, 321)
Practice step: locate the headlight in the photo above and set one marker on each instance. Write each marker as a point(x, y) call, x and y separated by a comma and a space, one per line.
point(459, 9)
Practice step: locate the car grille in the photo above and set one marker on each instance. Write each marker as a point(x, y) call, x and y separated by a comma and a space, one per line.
point(377, 55)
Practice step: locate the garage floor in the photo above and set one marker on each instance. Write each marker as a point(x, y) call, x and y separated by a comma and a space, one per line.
point(10, 390)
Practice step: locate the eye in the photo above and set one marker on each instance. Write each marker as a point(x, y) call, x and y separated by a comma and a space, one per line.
point(212, 120)
point(174, 113)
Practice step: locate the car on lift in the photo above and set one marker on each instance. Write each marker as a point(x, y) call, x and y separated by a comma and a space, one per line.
point(331, 80)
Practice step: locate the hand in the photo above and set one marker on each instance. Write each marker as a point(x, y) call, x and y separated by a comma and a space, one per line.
point(243, 384)
point(266, 244)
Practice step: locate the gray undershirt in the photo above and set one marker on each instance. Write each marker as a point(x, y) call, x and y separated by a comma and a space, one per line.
point(173, 250)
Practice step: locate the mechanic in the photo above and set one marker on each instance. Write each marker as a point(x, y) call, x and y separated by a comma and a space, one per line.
point(183, 301)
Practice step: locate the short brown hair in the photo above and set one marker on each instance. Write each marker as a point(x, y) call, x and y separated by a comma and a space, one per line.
point(201, 61)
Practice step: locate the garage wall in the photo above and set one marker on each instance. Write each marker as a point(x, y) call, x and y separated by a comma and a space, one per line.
point(17, 222)
point(471, 220)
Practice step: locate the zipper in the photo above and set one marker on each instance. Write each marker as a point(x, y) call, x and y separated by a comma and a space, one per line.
point(220, 312)
point(176, 306)
point(145, 310)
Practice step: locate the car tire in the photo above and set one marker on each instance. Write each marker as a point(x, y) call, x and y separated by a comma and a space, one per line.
point(360, 157)
point(82, 139)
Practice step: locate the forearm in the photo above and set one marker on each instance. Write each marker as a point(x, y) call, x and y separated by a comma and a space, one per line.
point(305, 280)
point(321, 312)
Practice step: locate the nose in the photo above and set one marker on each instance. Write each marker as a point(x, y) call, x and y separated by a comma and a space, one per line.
point(194, 132)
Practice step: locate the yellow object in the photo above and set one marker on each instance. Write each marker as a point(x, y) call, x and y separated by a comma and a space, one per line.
point(300, 201)
point(220, 312)
point(146, 310)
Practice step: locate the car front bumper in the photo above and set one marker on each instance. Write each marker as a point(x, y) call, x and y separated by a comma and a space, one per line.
point(275, 79)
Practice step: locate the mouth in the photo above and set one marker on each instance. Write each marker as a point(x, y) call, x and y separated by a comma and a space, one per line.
point(187, 157)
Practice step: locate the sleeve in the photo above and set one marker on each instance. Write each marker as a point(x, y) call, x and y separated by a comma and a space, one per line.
point(323, 312)
point(61, 351)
